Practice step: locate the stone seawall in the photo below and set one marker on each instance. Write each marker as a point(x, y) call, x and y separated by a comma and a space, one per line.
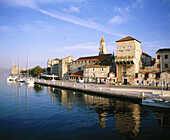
point(126, 93)
point(91, 88)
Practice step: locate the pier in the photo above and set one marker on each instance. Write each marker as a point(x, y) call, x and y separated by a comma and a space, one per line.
point(128, 93)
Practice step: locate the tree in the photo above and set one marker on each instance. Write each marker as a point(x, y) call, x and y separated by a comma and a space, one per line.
point(37, 71)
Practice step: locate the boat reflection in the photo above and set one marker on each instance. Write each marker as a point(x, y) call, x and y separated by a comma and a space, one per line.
point(122, 116)
point(127, 114)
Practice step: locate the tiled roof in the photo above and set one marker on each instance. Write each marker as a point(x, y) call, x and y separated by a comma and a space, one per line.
point(66, 57)
point(144, 72)
point(95, 66)
point(168, 71)
point(165, 49)
point(143, 53)
point(99, 57)
point(56, 59)
point(77, 74)
point(128, 38)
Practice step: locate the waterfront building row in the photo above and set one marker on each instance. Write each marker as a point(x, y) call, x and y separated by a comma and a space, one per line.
point(124, 68)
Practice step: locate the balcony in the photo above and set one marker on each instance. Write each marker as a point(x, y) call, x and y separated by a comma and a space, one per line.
point(125, 60)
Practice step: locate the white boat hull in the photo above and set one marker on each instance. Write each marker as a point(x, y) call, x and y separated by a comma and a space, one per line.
point(12, 78)
point(29, 81)
point(156, 103)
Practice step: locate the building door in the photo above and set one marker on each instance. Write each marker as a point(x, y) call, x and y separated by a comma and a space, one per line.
point(152, 84)
point(125, 81)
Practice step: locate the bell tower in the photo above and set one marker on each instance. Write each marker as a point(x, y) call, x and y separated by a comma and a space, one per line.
point(102, 47)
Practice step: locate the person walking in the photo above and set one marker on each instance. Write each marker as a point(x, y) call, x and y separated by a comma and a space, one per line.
point(167, 86)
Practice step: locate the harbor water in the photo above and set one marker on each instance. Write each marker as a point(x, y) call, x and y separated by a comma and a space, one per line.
point(36, 112)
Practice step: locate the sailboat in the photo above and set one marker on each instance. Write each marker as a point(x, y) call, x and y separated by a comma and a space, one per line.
point(161, 103)
point(28, 80)
point(19, 64)
point(12, 77)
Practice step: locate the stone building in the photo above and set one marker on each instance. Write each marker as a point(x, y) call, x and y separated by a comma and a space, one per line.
point(64, 65)
point(162, 59)
point(128, 59)
point(14, 70)
point(102, 59)
point(165, 78)
point(77, 77)
point(60, 67)
point(48, 66)
point(146, 59)
point(54, 66)
point(96, 73)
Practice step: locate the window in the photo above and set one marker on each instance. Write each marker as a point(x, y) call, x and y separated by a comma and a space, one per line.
point(151, 75)
point(102, 69)
point(86, 74)
point(121, 48)
point(136, 75)
point(102, 74)
point(141, 75)
point(137, 81)
point(158, 56)
point(166, 65)
point(158, 65)
point(93, 74)
point(166, 56)
point(93, 69)
point(129, 47)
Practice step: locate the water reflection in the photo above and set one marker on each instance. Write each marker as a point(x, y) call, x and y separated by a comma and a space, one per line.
point(127, 114)
point(37, 88)
point(123, 117)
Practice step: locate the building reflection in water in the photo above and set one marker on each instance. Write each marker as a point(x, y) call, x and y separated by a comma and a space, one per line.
point(122, 116)
point(127, 114)
point(127, 118)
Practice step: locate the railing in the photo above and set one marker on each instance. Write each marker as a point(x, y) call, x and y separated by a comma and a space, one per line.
point(124, 59)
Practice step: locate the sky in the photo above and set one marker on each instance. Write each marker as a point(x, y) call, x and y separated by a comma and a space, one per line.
point(48, 29)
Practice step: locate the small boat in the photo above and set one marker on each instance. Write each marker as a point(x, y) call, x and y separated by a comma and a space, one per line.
point(29, 81)
point(20, 80)
point(156, 103)
point(160, 103)
point(12, 78)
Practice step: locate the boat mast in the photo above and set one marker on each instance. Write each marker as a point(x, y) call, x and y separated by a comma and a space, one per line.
point(19, 63)
point(161, 77)
point(27, 65)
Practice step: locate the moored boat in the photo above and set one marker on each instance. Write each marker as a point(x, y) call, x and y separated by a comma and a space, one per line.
point(29, 81)
point(12, 78)
point(156, 103)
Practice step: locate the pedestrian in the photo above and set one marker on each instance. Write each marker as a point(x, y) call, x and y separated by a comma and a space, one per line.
point(167, 86)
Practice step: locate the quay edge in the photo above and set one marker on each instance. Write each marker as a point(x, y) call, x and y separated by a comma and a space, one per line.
point(121, 95)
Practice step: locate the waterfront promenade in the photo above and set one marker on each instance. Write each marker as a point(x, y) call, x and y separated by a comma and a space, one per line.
point(129, 92)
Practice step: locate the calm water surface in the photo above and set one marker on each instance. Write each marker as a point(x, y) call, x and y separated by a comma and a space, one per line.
point(39, 112)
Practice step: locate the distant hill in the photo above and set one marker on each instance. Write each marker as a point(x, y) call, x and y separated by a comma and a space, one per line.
point(4, 71)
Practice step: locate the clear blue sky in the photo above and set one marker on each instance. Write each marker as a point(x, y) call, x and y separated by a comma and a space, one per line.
point(60, 28)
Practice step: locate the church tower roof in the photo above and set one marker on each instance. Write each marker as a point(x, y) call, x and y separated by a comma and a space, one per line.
point(128, 38)
point(102, 40)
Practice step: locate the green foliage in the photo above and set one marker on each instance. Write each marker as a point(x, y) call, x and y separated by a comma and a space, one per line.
point(36, 71)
